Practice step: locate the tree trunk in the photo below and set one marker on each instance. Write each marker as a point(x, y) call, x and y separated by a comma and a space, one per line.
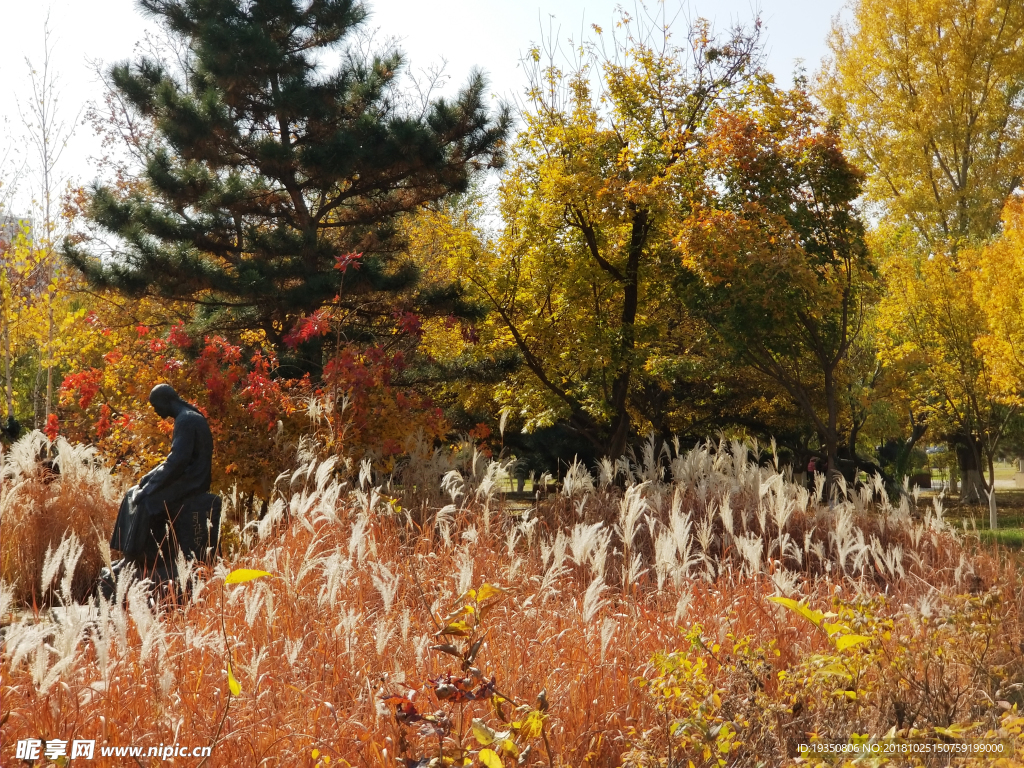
point(619, 436)
point(831, 446)
point(917, 431)
point(993, 512)
point(49, 361)
point(630, 302)
point(973, 485)
point(8, 390)
point(832, 435)
point(851, 443)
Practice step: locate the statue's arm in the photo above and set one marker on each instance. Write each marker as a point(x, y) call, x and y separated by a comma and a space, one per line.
point(182, 444)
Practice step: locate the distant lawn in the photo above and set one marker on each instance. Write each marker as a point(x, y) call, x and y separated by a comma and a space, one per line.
point(1011, 518)
point(1005, 470)
point(1008, 537)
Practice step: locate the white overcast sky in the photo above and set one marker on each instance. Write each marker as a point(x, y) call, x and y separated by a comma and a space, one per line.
point(488, 34)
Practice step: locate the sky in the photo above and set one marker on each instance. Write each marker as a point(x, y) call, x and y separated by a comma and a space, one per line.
point(489, 34)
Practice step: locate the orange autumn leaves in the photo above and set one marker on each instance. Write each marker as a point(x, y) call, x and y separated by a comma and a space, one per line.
point(771, 234)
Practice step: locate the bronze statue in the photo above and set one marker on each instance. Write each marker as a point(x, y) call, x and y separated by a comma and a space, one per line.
point(186, 470)
point(171, 509)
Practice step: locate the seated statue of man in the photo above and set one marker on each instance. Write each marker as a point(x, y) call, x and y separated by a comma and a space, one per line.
point(171, 509)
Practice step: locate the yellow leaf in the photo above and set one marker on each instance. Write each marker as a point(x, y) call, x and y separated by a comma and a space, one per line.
point(532, 725)
point(236, 689)
point(462, 609)
point(487, 591)
point(848, 641)
point(815, 617)
point(489, 758)
point(242, 575)
point(457, 628)
point(481, 732)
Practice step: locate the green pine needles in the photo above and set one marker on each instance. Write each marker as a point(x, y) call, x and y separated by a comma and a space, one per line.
point(264, 168)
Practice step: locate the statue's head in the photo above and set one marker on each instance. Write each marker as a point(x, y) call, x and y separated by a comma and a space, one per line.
point(165, 400)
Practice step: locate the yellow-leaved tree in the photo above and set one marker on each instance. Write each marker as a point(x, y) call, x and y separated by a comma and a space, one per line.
point(36, 305)
point(930, 96)
point(579, 278)
point(999, 290)
point(38, 314)
point(932, 327)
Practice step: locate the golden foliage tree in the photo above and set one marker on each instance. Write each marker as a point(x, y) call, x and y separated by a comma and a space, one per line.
point(931, 97)
point(597, 183)
point(38, 311)
point(999, 290)
point(933, 326)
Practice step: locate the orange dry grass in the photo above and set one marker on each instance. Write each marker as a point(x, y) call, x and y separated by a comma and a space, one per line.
point(38, 508)
point(312, 666)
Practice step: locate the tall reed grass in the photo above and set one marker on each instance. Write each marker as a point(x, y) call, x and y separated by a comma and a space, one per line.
point(56, 500)
point(598, 581)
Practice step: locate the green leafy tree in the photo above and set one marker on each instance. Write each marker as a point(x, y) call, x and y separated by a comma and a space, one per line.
point(263, 169)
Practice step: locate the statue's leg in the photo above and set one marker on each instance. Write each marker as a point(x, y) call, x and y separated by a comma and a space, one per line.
point(106, 583)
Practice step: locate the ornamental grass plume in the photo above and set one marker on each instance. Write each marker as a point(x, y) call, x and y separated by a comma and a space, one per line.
point(350, 622)
point(50, 491)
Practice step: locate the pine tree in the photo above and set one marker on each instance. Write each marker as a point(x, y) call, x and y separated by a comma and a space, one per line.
point(265, 169)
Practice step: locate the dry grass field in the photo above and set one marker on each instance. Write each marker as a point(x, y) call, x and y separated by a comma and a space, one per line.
point(693, 610)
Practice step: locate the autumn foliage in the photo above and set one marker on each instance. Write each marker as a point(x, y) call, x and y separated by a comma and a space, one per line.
point(256, 414)
point(472, 515)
